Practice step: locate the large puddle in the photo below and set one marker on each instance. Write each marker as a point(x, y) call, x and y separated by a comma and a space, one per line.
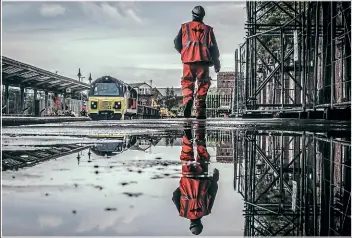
point(162, 182)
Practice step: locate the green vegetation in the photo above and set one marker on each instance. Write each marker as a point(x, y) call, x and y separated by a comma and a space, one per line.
point(170, 99)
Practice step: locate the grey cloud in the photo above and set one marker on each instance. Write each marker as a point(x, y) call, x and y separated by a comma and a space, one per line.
point(157, 15)
point(52, 10)
point(118, 38)
point(115, 13)
point(49, 221)
point(224, 14)
point(31, 16)
point(133, 14)
point(14, 10)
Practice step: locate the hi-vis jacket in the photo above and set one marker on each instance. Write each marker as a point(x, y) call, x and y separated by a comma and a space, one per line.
point(196, 43)
point(194, 198)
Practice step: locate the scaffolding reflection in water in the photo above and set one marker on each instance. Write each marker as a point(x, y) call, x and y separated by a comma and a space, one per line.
point(294, 183)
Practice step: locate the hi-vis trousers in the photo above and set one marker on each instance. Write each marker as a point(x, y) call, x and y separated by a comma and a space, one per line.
point(191, 165)
point(191, 73)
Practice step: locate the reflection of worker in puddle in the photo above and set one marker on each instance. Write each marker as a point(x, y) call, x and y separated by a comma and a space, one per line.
point(195, 196)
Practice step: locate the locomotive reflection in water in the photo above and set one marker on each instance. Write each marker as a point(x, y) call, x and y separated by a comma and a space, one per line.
point(123, 143)
point(113, 147)
point(294, 183)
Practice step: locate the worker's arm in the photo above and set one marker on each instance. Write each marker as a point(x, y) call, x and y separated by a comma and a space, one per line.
point(213, 49)
point(176, 198)
point(213, 191)
point(214, 52)
point(178, 41)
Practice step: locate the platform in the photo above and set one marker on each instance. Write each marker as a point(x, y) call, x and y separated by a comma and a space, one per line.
point(16, 121)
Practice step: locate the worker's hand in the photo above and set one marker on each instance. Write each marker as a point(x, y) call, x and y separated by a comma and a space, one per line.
point(217, 66)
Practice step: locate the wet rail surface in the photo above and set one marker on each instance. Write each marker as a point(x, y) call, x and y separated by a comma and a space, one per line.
point(120, 181)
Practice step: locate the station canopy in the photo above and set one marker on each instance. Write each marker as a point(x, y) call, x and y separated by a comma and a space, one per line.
point(16, 73)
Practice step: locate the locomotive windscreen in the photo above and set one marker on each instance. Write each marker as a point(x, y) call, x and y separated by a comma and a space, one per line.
point(106, 89)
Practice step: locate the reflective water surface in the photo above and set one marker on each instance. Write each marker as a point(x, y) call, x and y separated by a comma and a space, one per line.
point(192, 179)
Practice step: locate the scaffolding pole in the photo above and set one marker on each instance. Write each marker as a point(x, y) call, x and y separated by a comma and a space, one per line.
point(294, 184)
point(296, 56)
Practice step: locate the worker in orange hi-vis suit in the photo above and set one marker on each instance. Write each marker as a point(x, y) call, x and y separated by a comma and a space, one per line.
point(198, 48)
point(195, 196)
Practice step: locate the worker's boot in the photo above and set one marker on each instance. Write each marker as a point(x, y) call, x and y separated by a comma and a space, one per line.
point(201, 110)
point(216, 175)
point(188, 132)
point(188, 109)
point(200, 133)
point(202, 116)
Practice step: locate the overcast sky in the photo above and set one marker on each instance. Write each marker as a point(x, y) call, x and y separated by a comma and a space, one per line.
point(129, 40)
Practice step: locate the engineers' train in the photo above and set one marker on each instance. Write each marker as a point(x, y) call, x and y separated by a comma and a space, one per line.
point(107, 99)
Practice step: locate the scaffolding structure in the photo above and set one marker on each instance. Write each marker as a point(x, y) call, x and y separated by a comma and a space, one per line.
point(296, 57)
point(294, 183)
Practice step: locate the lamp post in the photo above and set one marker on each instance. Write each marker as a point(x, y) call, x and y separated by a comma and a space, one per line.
point(90, 78)
point(79, 75)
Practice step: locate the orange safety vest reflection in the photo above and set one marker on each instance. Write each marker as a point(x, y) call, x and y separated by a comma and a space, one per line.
point(196, 41)
point(195, 197)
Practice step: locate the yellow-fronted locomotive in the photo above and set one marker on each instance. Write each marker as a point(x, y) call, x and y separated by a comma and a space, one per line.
point(107, 99)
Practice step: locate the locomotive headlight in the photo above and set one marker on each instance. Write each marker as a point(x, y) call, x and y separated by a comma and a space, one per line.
point(117, 105)
point(94, 105)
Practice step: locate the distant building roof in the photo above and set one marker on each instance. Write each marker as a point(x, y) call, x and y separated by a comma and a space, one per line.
point(137, 85)
point(225, 159)
point(177, 91)
point(226, 73)
point(15, 73)
point(156, 90)
point(226, 76)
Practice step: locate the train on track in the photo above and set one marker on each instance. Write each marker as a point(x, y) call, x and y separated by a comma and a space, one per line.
point(109, 98)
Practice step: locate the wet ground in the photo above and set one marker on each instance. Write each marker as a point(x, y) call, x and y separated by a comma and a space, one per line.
point(118, 178)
